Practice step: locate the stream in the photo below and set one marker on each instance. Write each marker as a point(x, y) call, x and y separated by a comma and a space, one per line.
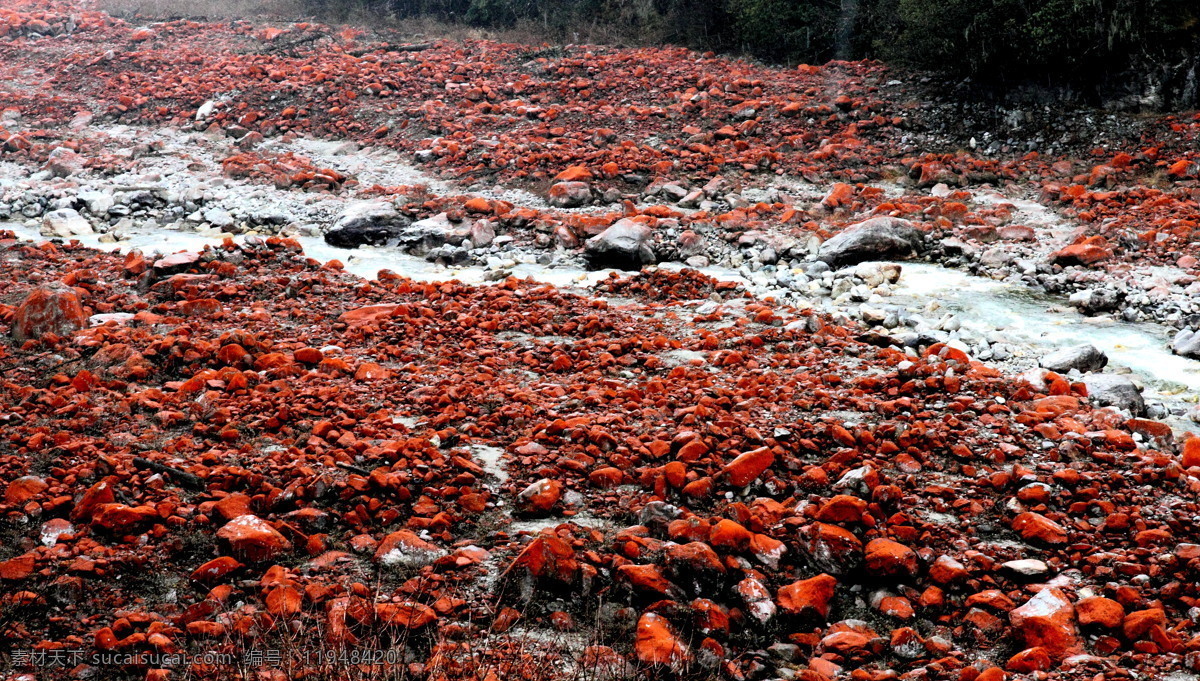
point(1034, 325)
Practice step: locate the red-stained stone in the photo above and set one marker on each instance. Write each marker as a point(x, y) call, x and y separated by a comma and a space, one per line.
point(215, 570)
point(806, 596)
point(746, 468)
point(1039, 528)
point(251, 538)
point(1047, 621)
point(23, 489)
point(48, 310)
point(887, 558)
point(657, 642)
point(1100, 611)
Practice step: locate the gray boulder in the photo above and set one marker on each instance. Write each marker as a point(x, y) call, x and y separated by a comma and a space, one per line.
point(625, 245)
point(1111, 390)
point(1096, 300)
point(429, 234)
point(880, 238)
point(374, 223)
point(65, 223)
point(1085, 358)
point(1187, 343)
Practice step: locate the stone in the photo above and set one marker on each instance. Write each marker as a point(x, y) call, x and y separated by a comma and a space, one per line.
point(887, 558)
point(624, 245)
point(657, 643)
point(1047, 621)
point(1100, 611)
point(1039, 528)
point(121, 519)
point(251, 538)
point(1186, 343)
point(540, 497)
point(808, 597)
point(374, 223)
point(65, 223)
point(64, 162)
point(52, 309)
point(1112, 390)
point(746, 468)
point(831, 548)
point(1084, 358)
point(404, 548)
point(23, 489)
point(569, 194)
point(879, 238)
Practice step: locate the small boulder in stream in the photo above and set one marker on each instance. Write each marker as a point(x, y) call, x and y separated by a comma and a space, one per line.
point(1187, 343)
point(1085, 358)
point(880, 238)
point(372, 223)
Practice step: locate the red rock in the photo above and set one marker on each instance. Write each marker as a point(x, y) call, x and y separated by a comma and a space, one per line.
point(23, 489)
point(657, 643)
point(746, 468)
point(832, 548)
point(808, 596)
point(607, 477)
point(308, 356)
point(1137, 625)
point(1100, 611)
point(896, 606)
point(370, 371)
point(406, 549)
point(251, 538)
point(574, 174)
point(367, 315)
point(283, 601)
point(728, 535)
point(839, 195)
point(19, 568)
point(1030, 660)
point(1047, 621)
point(887, 558)
point(97, 495)
point(842, 508)
point(946, 570)
point(215, 570)
point(406, 615)
point(1037, 527)
point(233, 506)
point(48, 310)
point(1080, 254)
point(1191, 452)
point(547, 558)
point(540, 497)
point(122, 519)
point(176, 262)
point(649, 580)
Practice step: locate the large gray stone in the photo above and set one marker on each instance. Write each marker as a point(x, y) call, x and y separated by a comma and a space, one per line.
point(65, 223)
point(1111, 390)
point(624, 245)
point(374, 223)
point(1086, 357)
point(880, 238)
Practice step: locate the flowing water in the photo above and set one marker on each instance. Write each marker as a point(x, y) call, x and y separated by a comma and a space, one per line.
point(1036, 325)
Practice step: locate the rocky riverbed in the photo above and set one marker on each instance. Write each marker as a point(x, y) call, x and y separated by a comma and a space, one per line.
point(488, 361)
